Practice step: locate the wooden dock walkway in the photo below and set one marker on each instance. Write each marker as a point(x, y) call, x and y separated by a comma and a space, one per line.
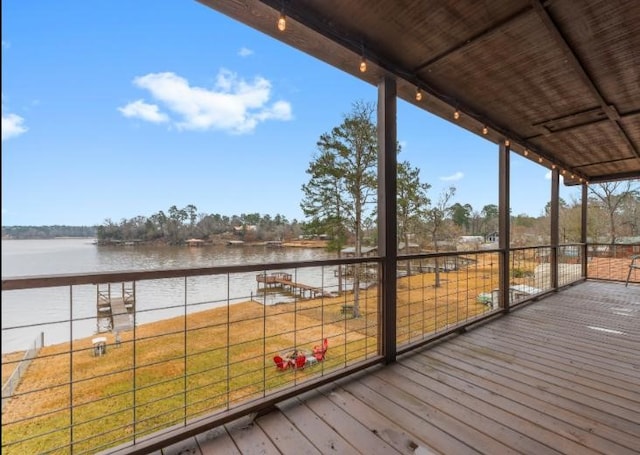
point(114, 311)
point(284, 281)
point(120, 315)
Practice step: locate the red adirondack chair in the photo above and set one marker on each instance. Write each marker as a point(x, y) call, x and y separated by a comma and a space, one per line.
point(300, 361)
point(281, 364)
point(320, 352)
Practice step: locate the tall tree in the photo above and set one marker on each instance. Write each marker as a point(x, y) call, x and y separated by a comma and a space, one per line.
point(412, 200)
point(342, 180)
point(461, 215)
point(490, 218)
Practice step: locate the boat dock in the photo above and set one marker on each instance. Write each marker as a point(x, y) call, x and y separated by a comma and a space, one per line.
point(284, 281)
point(115, 307)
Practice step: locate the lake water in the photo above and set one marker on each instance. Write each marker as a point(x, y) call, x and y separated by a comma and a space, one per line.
point(155, 299)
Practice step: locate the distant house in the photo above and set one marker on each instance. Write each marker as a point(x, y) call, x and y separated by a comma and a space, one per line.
point(245, 228)
point(492, 237)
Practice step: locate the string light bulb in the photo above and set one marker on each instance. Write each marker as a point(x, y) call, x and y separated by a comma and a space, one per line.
point(418, 94)
point(456, 114)
point(363, 65)
point(553, 166)
point(363, 62)
point(540, 159)
point(485, 130)
point(507, 143)
point(564, 171)
point(526, 152)
point(282, 22)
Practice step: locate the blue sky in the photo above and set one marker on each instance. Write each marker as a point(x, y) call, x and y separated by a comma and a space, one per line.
point(124, 108)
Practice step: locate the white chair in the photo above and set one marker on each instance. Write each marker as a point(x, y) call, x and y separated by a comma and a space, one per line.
point(99, 346)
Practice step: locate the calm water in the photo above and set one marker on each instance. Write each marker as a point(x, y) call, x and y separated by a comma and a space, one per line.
point(155, 299)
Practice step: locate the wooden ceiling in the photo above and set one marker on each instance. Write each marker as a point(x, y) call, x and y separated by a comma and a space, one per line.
point(559, 79)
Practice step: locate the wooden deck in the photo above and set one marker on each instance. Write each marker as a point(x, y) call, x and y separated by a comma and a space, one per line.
point(561, 375)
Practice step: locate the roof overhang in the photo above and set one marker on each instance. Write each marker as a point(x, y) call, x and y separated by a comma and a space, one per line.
point(558, 79)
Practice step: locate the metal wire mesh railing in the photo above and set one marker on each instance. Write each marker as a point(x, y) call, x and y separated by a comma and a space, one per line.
point(438, 292)
point(611, 261)
point(200, 342)
point(194, 344)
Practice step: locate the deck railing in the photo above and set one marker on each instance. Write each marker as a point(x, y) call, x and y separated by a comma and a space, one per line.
point(208, 357)
point(611, 262)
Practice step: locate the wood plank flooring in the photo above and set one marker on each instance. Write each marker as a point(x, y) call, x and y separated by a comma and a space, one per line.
point(561, 375)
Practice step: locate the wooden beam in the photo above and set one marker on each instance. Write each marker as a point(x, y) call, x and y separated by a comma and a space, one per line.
point(580, 70)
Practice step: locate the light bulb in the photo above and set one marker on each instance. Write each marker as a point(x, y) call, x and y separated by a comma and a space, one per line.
point(507, 143)
point(282, 23)
point(418, 95)
point(540, 160)
point(456, 114)
point(363, 65)
point(564, 171)
point(553, 166)
point(526, 152)
point(485, 130)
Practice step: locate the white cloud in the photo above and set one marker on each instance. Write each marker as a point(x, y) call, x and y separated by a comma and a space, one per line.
point(12, 126)
point(140, 109)
point(232, 104)
point(453, 177)
point(245, 52)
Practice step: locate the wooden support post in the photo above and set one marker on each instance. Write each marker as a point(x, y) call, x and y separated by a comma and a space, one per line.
point(583, 230)
point(387, 214)
point(555, 226)
point(504, 221)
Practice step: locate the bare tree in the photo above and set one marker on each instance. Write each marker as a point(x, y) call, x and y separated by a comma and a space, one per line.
point(611, 197)
point(435, 220)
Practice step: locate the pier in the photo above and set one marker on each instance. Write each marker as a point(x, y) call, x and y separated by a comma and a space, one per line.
point(115, 307)
point(284, 281)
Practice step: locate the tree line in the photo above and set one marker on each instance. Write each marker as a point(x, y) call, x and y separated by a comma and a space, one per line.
point(47, 232)
point(178, 225)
